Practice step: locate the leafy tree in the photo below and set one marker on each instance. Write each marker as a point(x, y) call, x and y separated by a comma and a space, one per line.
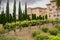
point(33, 16)
point(58, 3)
point(7, 11)
point(14, 11)
point(19, 12)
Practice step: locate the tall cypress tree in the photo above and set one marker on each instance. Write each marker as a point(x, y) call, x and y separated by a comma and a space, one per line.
point(2, 18)
point(7, 11)
point(14, 11)
point(11, 18)
point(0, 4)
point(46, 16)
point(19, 12)
point(33, 16)
point(26, 10)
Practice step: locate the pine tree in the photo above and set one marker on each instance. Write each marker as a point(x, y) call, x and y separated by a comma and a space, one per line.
point(14, 11)
point(7, 11)
point(19, 12)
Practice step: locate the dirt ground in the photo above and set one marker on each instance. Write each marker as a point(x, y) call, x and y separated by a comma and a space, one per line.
point(25, 33)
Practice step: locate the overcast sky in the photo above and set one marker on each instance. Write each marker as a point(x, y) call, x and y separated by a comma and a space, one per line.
point(31, 3)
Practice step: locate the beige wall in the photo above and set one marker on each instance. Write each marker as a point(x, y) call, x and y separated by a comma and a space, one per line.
point(37, 11)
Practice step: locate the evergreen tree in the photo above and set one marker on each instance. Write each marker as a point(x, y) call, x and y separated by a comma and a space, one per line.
point(0, 4)
point(39, 17)
point(7, 11)
point(2, 18)
point(0, 1)
point(33, 16)
point(11, 18)
point(14, 11)
point(19, 12)
point(25, 11)
point(43, 17)
point(46, 16)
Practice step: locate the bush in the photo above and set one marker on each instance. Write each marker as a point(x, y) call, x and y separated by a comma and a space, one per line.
point(41, 37)
point(35, 33)
point(3, 31)
point(57, 27)
point(44, 29)
point(53, 31)
point(54, 37)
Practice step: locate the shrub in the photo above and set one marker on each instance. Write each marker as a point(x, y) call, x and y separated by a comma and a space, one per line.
point(35, 33)
point(3, 31)
point(41, 37)
point(44, 29)
point(58, 27)
point(54, 37)
point(53, 31)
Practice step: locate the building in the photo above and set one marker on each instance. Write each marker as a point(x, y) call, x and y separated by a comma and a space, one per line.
point(51, 10)
point(37, 10)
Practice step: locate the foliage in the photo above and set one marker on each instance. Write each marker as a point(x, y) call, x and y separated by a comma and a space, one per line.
point(53, 31)
point(35, 33)
point(2, 18)
point(39, 17)
point(58, 3)
point(9, 38)
point(14, 11)
point(54, 37)
point(19, 12)
point(58, 27)
point(7, 11)
point(25, 13)
point(46, 16)
point(33, 16)
point(44, 29)
point(41, 37)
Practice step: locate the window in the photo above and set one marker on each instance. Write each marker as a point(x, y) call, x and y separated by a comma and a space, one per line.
point(53, 6)
point(40, 10)
point(57, 15)
point(54, 15)
point(49, 15)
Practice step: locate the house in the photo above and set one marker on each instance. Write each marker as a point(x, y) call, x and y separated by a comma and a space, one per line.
point(51, 10)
